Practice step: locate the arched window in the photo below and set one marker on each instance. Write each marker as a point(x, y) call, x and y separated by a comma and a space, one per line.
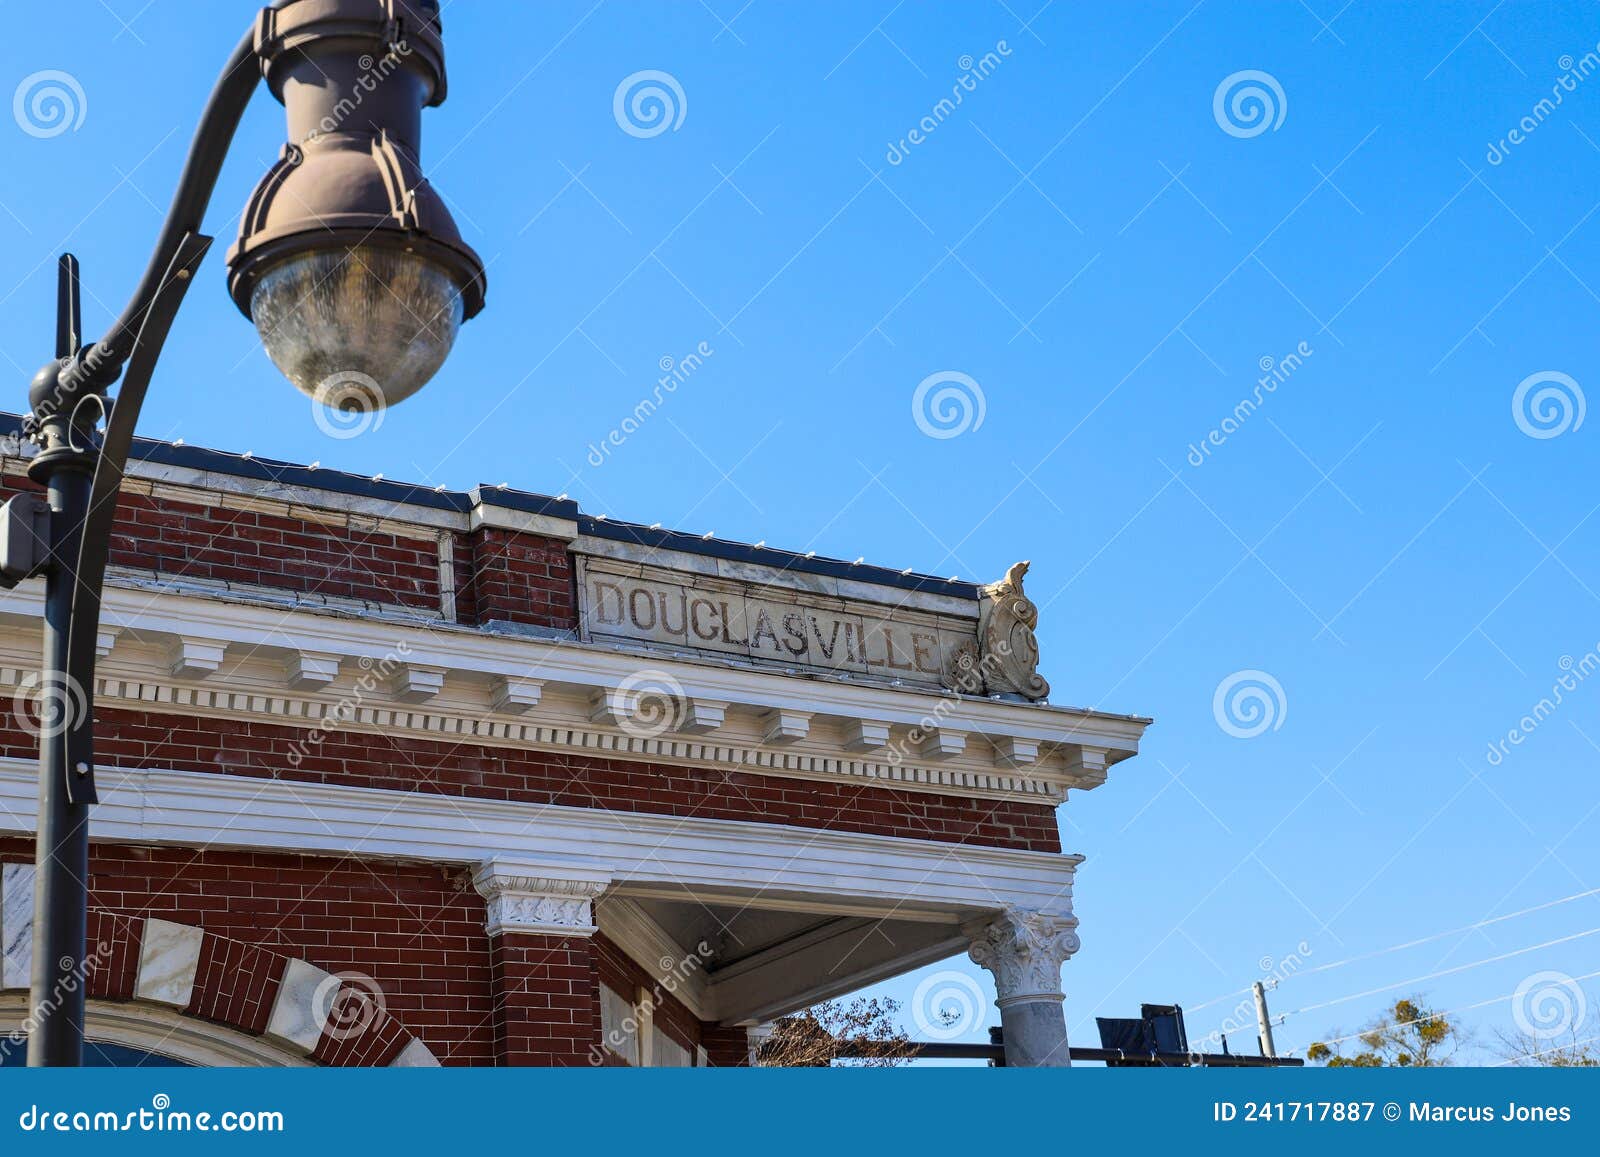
point(96, 1055)
point(127, 1035)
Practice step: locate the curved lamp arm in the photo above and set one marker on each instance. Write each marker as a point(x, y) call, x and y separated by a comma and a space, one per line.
point(97, 366)
point(94, 542)
point(134, 340)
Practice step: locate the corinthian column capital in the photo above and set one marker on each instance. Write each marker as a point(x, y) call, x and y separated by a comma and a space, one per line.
point(1024, 949)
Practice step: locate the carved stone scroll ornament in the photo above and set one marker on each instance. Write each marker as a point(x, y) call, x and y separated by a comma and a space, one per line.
point(1010, 651)
point(1024, 950)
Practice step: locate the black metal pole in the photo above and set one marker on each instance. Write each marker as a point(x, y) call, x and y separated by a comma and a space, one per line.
point(65, 709)
point(61, 887)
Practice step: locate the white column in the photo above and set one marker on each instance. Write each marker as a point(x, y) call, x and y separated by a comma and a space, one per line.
point(755, 1036)
point(1024, 950)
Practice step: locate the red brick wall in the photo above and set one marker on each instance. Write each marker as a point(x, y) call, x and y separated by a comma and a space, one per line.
point(112, 940)
point(546, 999)
point(725, 1047)
point(195, 541)
point(196, 743)
point(178, 539)
point(416, 929)
point(516, 578)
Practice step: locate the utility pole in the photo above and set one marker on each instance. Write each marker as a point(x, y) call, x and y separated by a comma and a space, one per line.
point(1263, 1021)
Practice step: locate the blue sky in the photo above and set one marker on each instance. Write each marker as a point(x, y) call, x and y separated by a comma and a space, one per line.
point(1108, 263)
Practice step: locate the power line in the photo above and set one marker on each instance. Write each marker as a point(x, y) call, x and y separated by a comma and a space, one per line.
point(1400, 947)
point(1445, 972)
point(1451, 932)
point(1448, 1012)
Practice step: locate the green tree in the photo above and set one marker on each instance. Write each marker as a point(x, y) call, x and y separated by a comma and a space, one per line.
point(1409, 1035)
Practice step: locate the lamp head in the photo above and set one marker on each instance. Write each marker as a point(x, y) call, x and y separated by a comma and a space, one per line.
point(348, 260)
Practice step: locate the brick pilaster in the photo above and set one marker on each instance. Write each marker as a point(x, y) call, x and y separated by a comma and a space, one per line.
point(546, 999)
point(512, 577)
point(726, 1047)
point(543, 964)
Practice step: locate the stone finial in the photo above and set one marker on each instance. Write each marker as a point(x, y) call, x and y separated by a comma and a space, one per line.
point(1010, 652)
point(1024, 949)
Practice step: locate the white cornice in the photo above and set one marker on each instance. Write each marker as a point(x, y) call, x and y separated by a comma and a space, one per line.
point(329, 712)
point(1074, 746)
point(759, 865)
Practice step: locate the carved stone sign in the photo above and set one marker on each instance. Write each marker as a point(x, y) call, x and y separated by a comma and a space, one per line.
point(781, 626)
point(989, 649)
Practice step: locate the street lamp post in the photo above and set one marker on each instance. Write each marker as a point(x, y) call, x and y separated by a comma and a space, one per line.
point(357, 279)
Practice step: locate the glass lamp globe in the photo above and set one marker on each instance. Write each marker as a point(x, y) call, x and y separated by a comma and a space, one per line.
point(357, 328)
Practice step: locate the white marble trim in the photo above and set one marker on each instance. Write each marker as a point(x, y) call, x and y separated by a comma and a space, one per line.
point(169, 957)
point(299, 1014)
point(16, 925)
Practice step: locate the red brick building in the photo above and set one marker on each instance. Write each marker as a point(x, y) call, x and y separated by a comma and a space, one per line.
point(393, 775)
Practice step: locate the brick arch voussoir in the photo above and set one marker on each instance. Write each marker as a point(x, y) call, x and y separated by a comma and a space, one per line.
point(247, 988)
